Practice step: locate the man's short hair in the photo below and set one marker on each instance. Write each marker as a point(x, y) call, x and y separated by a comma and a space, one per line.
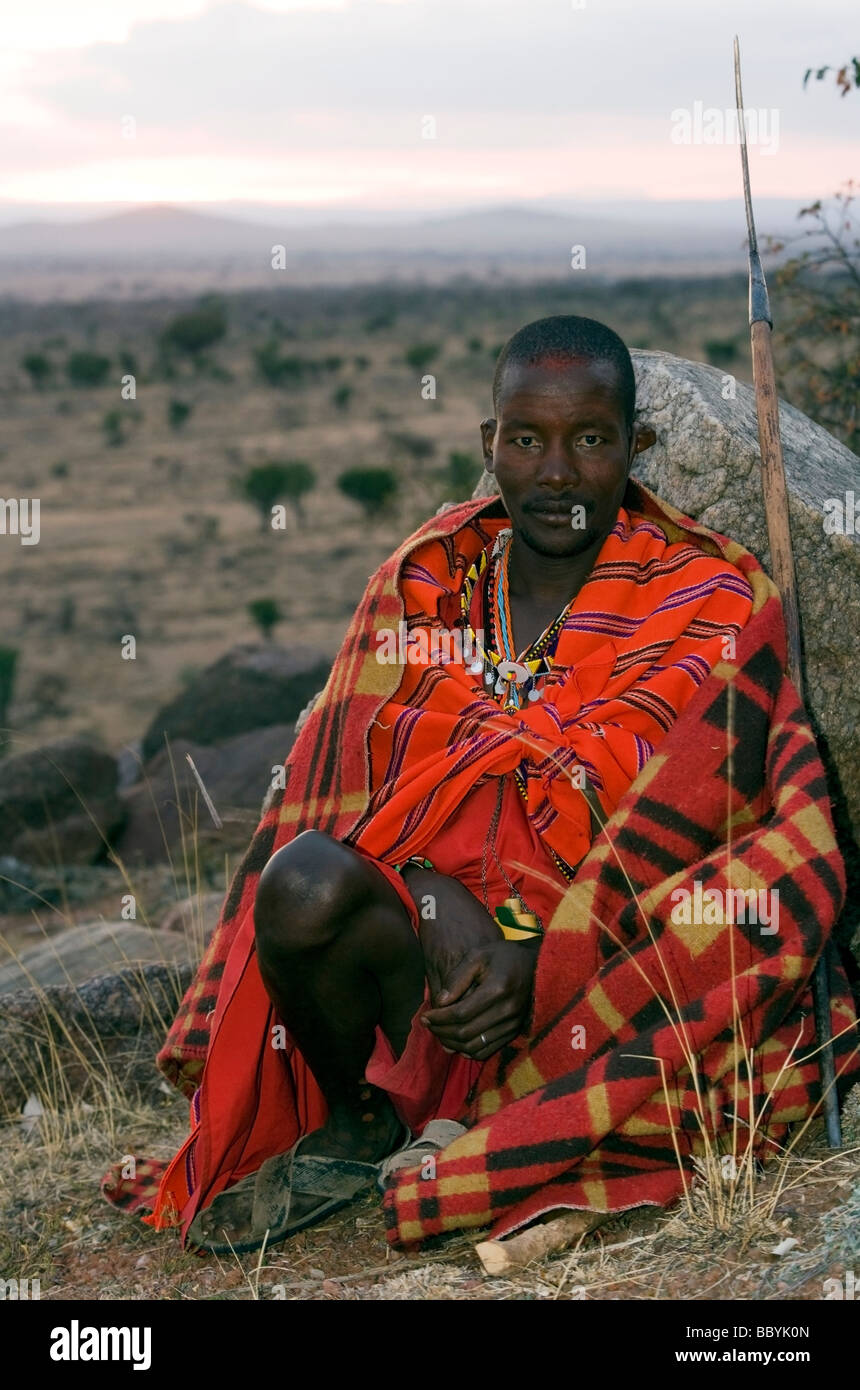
point(565, 336)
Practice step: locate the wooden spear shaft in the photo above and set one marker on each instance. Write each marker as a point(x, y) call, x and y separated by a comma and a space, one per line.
point(776, 511)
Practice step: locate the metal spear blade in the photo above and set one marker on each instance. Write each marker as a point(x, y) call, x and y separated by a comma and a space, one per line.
point(759, 299)
point(745, 163)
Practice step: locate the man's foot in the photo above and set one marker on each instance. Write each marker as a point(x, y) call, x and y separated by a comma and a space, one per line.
point(229, 1220)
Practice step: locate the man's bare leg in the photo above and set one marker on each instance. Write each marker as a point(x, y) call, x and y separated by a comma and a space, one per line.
point(338, 956)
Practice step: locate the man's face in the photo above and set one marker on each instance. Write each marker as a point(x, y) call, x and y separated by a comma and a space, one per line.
point(560, 442)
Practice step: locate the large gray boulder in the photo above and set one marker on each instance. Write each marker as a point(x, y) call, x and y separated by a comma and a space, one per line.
point(83, 1037)
point(248, 688)
point(706, 462)
point(58, 802)
point(161, 808)
point(90, 949)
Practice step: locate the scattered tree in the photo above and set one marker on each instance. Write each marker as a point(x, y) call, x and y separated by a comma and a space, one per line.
point(462, 474)
point(112, 424)
point(372, 488)
point(177, 413)
point(85, 368)
point(818, 321)
point(298, 479)
point(378, 322)
point(418, 446)
point(846, 77)
point(196, 330)
point(420, 355)
point(39, 368)
point(721, 352)
point(281, 369)
point(266, 613)
point(268, 483)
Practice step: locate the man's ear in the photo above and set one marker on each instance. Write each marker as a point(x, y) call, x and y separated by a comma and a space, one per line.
point(643, 439)
point(488, 434)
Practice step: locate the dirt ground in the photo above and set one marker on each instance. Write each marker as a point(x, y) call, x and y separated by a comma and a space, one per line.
point(55, 1226)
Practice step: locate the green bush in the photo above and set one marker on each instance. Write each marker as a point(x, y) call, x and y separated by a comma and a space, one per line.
point(282, 369)
point(721, 352)
point(462, 474)
point(379, 322)
point(196, 330)
point(341, 397)
point(418, 446)
point(268, 483)
point(112, 424)
point(371, 488)
point(266, 613)
point(420, 355)
point(87, 368)
point(177, 413)
point(39, 368)
point(298, 478)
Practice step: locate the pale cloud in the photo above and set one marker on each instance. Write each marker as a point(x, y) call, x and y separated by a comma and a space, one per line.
point(324, 100)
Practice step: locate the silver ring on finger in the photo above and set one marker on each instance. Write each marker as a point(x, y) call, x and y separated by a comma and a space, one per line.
point(484, 1039)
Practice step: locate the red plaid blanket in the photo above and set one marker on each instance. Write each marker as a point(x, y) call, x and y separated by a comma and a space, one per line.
point(637, 1065)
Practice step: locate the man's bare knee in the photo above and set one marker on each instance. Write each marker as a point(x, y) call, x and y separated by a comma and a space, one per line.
point(305, 893)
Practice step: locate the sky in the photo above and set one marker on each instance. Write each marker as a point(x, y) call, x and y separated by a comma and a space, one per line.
point(418, 105)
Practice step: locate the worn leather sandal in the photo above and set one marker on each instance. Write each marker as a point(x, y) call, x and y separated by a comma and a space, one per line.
point(256, 1210)
point(436, 1135)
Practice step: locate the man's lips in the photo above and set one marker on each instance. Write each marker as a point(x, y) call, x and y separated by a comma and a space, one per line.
point(552, 511)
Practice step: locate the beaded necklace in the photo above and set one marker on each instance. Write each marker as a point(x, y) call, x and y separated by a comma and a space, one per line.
point(514, 677)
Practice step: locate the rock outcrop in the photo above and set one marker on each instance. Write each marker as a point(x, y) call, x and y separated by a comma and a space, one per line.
point(249, 687)
point(55, 801)
point(84, 1036)
point(166, 802)
point(88, 949)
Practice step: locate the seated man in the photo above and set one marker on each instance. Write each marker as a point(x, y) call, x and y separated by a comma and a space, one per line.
point(507, 880)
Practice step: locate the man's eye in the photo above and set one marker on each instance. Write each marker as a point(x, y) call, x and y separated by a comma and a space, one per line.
point(591, 440)
point(526, 440)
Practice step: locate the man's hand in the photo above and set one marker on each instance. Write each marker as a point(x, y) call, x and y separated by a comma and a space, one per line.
point(487, 1000)
point(458, 925)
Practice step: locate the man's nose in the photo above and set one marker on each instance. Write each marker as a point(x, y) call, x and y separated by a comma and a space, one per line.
point(558, 467)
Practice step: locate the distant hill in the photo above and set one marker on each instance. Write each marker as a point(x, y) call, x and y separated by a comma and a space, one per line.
point(143, 249)
point(164, 230)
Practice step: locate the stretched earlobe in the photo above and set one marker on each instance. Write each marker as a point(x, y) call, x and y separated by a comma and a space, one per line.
point(645, 438)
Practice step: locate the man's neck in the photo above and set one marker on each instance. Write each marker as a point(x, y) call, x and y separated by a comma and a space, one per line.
point(549, 580)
